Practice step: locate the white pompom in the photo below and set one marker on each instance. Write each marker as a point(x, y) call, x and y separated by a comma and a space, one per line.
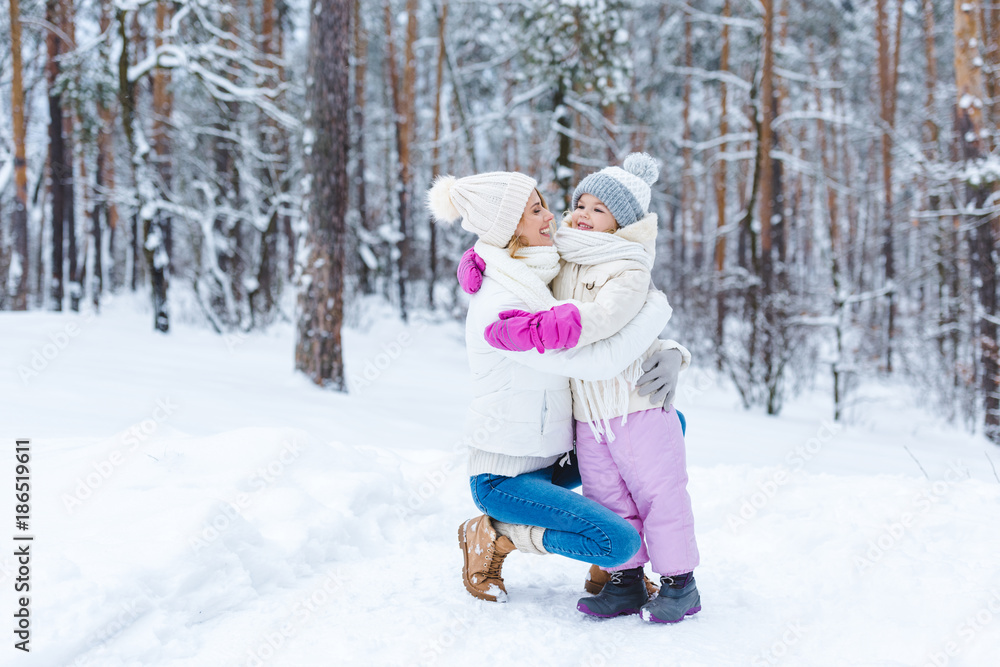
point(439, 200)
point(643, 165)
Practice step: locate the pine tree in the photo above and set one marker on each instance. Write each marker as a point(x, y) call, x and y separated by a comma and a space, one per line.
point(19, 264)
point(318, 350)
point(979, 184)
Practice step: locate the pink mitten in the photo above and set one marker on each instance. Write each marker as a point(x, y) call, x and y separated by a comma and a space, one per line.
point(552, 329)
point(470, 271)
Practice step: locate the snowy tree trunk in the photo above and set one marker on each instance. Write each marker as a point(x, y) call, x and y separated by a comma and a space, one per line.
point(766, 138)
point(404, 110)
point(76, 270)
point(368, 267)
point(888, 65)
point(157, 232)
point(720, 195)
point(436, 150)
point(17, 278)
point(263, 297)
point(686, 246)
point(318, 350)
point(983, 235)
point(106, 163)
point(563, 166)
point(60, 160)
point(991, 30)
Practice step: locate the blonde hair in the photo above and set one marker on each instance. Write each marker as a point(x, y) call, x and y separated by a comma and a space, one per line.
point(517, 243)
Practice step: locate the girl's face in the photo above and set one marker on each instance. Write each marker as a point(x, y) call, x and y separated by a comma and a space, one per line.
point(591, 215)
point(534, 226)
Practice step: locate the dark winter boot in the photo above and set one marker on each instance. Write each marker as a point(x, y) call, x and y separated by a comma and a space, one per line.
point(625, 593)
point(678, 598)
point(597, 577)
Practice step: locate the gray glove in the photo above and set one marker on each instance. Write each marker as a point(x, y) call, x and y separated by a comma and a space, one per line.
point(659, 376)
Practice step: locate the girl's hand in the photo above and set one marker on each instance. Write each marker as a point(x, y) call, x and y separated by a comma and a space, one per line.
point(554, 329)
point(659, 377)
point(470, 271)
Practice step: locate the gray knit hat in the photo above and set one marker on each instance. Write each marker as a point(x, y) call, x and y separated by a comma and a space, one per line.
point(624, 190)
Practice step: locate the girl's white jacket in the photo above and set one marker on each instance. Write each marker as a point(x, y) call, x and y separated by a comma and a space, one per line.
point(521, 401)
point(612, 292)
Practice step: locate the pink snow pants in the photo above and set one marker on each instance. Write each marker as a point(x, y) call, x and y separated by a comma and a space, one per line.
point(642, 477)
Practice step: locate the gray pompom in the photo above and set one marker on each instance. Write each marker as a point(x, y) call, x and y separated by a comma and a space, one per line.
point(643, 165)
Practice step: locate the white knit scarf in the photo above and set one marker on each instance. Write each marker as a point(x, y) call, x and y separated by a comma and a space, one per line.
point(602, 400)
point(590, 248)
point(527, 276)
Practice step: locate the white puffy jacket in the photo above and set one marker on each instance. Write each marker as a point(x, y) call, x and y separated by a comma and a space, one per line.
point(521, 415)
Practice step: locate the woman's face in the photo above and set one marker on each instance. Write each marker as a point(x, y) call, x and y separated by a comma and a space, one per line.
point(534, 226)
point(591, 214)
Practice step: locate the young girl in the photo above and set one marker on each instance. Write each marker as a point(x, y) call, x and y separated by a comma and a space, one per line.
point(631, 451)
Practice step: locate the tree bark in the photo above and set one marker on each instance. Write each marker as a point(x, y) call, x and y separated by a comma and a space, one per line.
point(367, 274)
point(720, 194)
point(888, 66)
point(404, 109)
point(687, 244)
point(436, 151)
point(766, 197)
point(991, 56)
point(126, 103)
point(106, 170)
point(60, 168)
point(263, 297)
point(318, 351)
point(157, 244)
point(563, 125)
point(20, 217)
point(983, 235)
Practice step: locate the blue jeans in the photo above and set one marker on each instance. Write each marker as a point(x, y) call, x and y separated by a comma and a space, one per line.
point(575, 526)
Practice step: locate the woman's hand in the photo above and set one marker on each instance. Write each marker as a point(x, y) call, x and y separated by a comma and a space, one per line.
point(659, 377)
point(518, 330)
point(470, 271)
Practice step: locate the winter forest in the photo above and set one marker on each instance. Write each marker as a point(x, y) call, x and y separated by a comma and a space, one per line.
point(828, 201)
point(236, 369)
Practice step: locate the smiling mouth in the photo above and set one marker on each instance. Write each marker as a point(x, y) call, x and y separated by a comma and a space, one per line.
point(584, 226)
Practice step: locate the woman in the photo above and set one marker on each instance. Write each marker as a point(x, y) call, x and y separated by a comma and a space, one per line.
point(520, 422)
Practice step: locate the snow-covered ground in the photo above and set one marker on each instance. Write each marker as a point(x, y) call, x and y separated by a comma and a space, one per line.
point(195, 502)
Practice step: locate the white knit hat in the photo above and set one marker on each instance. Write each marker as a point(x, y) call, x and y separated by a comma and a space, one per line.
point(490, 204)
point(624, 190)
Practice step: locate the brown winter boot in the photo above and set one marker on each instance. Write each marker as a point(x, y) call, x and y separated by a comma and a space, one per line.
point(597, 577)
point(483, 552)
